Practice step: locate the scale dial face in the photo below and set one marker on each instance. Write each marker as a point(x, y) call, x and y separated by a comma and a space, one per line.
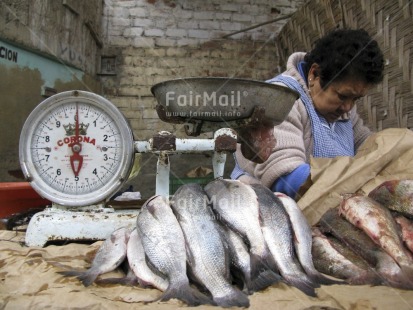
point(76, 148)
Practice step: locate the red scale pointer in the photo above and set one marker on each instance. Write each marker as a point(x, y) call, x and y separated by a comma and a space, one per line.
point(76, 160)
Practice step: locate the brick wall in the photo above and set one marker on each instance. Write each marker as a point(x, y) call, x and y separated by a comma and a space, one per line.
point(154, 41)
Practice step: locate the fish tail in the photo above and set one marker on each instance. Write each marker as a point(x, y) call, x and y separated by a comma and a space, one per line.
point(322, 279)
point(365, 278)
point(407, 271)
point(235, 299)
point(302, 284)
point(71, 273)
point(86, 277)
point(260, 264)
point(263, 280)
point(186, 294)
point(241, 279)
point(122, 281)
point(393, 276)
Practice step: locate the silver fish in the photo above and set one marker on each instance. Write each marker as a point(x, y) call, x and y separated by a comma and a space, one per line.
point(303, 239)
point(240, 257)
point(241, 264)
point(137, 262)
point(278, 234)
point(237, 206)
point(208, 255)
point(164, 245)
point(377, 222)
point(109, 256)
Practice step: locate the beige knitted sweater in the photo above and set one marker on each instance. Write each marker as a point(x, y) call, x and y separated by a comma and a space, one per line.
point(294, 137)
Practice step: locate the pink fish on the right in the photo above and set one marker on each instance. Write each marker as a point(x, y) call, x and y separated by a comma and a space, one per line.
point(377, 222)
point(406, 227)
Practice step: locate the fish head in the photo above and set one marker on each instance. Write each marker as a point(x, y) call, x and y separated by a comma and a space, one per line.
point(155, 204)
point(190, 198)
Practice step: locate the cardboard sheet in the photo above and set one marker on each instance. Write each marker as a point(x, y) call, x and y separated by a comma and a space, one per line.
point(387, 155)
point(29, 278)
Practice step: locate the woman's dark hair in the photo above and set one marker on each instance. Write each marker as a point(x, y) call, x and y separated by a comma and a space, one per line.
point(345, 53)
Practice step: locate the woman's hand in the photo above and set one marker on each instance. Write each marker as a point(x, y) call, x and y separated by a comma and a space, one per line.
point(257, 142)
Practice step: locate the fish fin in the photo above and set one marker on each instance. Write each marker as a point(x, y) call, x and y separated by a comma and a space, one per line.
point(235, 299)
point(128, 281)
point(86, 277)
point(71, 273)
point(240, 279)
point(200, 298)
point(144, 284)
point(194, 279)
point(322, 279)
point(190, 267)
point(399, 282)
point(407, 272)
point(302, 284)
point(263, 280)
point(186, 294)
point(257, 265)
point(369, 277)
point(260, 264)
point(261, 272)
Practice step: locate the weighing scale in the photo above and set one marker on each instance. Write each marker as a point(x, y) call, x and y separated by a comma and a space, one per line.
point(77, 149)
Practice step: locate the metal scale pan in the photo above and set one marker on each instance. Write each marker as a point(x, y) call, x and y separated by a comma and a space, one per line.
point(207, 104)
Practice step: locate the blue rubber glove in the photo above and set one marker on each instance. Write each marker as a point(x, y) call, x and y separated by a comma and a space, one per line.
point(289, 184)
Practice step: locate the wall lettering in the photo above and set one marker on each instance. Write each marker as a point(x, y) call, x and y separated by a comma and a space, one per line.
point(8, 54)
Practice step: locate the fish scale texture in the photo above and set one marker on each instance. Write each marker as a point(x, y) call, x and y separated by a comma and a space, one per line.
point(163, 240)
point(208, 256)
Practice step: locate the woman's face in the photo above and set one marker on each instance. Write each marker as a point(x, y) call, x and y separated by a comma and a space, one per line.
point(337, 98)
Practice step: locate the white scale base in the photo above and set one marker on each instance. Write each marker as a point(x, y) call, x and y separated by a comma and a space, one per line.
point(89, 223)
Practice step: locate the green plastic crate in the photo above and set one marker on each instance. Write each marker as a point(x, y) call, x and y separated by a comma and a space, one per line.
point(175, 183)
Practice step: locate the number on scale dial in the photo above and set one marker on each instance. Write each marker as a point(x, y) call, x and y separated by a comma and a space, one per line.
point(76, 150)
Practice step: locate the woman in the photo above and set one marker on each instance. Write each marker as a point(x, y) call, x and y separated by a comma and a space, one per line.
point(323, 122)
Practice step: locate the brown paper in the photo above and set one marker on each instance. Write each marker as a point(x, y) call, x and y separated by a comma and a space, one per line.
point(386, 155)
point(29, 280)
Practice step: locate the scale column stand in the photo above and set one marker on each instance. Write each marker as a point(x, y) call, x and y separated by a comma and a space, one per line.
point(163, 168)
point(165, 143)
